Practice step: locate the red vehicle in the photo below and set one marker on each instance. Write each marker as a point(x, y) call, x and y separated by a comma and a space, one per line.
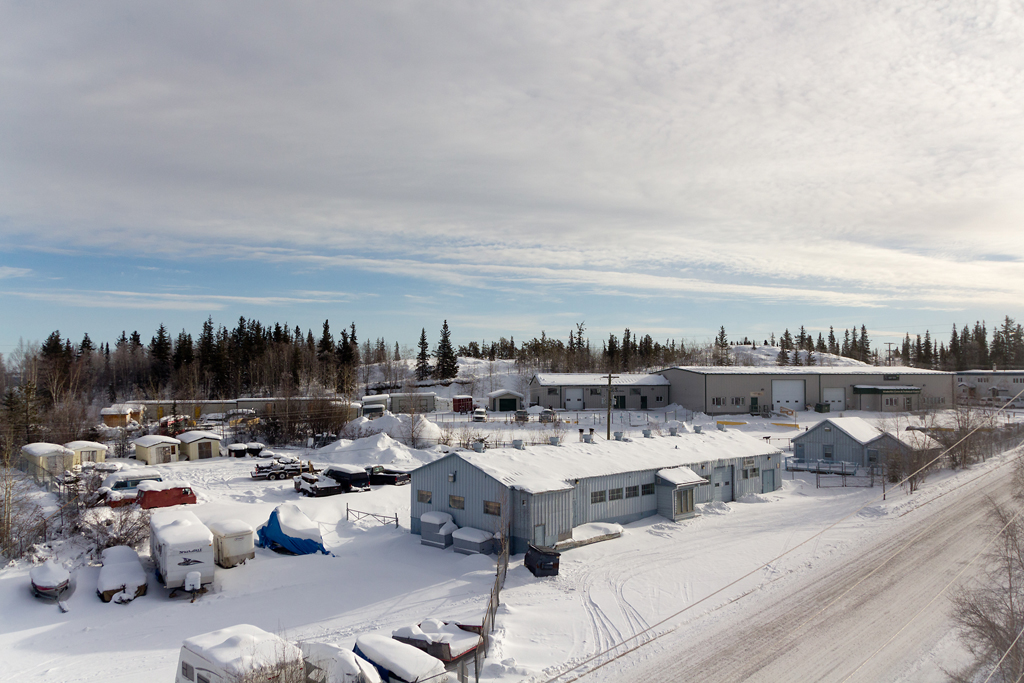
point(156, 494)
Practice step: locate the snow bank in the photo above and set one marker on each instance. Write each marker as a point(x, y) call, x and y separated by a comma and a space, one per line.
point(378, 448)
point(296, 524)
point(716, 507)
point(753, 498)
point(121, 570)
point(587, 531)
point(241, 649)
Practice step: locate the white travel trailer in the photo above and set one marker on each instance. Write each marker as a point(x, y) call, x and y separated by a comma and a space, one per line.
point(179, 545)
point(239, 653)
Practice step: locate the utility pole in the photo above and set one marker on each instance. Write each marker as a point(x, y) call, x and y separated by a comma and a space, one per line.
point(610, 377)
point(888, 355)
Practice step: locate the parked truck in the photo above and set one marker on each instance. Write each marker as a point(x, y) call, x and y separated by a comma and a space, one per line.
point(380, 475)
point(333, 480)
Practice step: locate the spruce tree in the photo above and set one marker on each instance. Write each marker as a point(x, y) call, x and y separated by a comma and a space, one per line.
point(423, 369)
point(447, 362)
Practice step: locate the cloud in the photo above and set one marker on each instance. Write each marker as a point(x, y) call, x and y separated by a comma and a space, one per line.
point(850, 155)
point(8, 271)
point(161, 301)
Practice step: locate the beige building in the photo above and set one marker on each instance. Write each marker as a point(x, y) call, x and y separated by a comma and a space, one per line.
point(87, 451)
point(46, 460)
point(120, 414)
point(199, 445)
point(154, 449)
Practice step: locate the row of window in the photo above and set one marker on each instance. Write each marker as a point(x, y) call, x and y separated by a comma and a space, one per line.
point(751, 473)
point(619, 494)
point(935, 400)
point(730, 401)
point(459, 502)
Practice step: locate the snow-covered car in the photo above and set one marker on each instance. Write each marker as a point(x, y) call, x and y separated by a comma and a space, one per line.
point(380, 475)
point(333, 480)
point(480, 415)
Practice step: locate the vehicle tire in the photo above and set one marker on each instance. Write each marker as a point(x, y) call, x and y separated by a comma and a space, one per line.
point(272, 477)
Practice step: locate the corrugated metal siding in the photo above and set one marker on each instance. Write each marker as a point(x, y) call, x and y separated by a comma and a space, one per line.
point(844, 447)
point(616, 510)
point(470, 483)
point(663, 494)
point(553, 510)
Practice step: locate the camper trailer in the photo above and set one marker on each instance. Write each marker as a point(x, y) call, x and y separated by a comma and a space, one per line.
point(239, 653)
point(180, 544)
point(232, 542)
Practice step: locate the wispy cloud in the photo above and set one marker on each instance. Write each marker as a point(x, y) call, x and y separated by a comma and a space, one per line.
point(160, 301)
point(9, 272)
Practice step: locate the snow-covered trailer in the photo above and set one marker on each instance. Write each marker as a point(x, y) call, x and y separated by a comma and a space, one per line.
point(179, 544)
point(232, 542)
point(436, 529)
point(326, 663)
point(397, 661)
point(239, 653)
point(449, 642)
point(121, 573)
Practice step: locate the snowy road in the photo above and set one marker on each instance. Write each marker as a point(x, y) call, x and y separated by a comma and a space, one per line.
point(873, 616)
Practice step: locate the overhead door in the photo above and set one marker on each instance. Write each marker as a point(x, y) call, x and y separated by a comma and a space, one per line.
point(836, 398)
point(574, 399)
point(506, 404)
point(722, 483)
point(788, 393)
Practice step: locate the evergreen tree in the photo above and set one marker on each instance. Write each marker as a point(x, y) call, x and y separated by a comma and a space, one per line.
point(423, 369)
point(160, 356)
point(721, 355)
point(447, 362)
point(183, 352)
point(782, 358)
point(844, 351)
point(865, 345)
point(820, 346)
point(397, 356)
point(810, 359)
point(833, 345)
point(905, 350)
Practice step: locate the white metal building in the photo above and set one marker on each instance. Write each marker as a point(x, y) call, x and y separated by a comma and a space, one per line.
point(589, 391)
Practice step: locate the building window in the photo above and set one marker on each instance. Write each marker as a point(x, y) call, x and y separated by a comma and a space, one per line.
point(659, 399)
point(492, 508)
point(647, 490)
point(872, 455)
point(597, 497)
point(200, 678)
point(634, 391)
point(595, 392)
point(632, 492)
point(423, 496)
point(457, 502)
point(826, 451)
point(739, 400)
point(892, 401)
point(553, 391)
point(718, 401)
point(205, 449)
point(614, 494)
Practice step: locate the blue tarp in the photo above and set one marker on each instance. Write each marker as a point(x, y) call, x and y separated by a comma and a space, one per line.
point(272, 536)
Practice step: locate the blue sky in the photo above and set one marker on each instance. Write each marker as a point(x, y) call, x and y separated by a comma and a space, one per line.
point(511, 168)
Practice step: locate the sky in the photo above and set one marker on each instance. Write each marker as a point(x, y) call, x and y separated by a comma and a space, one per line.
point(510, 167)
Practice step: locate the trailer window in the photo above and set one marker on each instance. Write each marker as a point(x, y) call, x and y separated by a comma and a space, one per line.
point(200, 678)
point(187, 671)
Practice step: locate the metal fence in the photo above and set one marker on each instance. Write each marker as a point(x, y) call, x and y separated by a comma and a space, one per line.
point(492, 607)
point(821, 466)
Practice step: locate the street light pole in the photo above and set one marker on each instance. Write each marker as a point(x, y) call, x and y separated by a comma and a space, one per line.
point(610, 377)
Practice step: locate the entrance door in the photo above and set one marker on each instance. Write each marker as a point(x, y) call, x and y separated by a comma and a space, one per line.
point(754, 410)
point(643, 403)
point(538, 534)
point(574, 399)
point(910, 403)
point(767, 481)
point(722, 489)
point(620, 402)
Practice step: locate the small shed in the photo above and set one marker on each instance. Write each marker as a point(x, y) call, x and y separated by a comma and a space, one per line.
point(154, 449)
point(462, 403)
point(422, 402)
point(87, 451)
point(199, 445)
point(845, 439)
point(44, 461)
point(470, 541)
point(674, 488)
point(120, 414)
point(436, 529)
point(504, 401)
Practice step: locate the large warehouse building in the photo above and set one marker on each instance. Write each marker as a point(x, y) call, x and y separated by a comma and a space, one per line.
point(542, 492)
point(735, 389)
point(588, 391)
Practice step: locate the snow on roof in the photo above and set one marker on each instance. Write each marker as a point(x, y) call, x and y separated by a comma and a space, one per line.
point(410, 663)
point(153, 485)
point(41, 449)
point(462, 396)
point(196, 435)
point(504, 392)
point(121, 409)
point(435, 517)
point(857, 428)
point(338, 663)
point(241, 649)
point(349, 469)
point(49, 574)
point(681, 476)
point(237, 447)
point(85, 445)
point(229, 527)
point(436, 631)
point(151, 440)
point(539, 469)
point(888, 387)
point(804, 370)
point(131, 473)
point(919, 441)
point(587, 379)
point(179, 527)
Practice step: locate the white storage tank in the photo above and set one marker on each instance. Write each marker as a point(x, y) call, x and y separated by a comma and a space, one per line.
point(232, 542)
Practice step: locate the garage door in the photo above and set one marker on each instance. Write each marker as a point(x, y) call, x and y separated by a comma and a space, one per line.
point(836, 398)
point(722, 484)
point(506, 404)
point(788, 393)
point(574, 399)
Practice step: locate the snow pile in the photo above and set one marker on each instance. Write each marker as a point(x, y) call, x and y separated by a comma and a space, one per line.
point(468, 533)
point(395, 426)
point(376, 449)
point(121, 571)
point(715, 507)
point(338, 663)
point(753, 498)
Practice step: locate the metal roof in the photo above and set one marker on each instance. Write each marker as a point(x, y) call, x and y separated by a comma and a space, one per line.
point(804, 370)
point(589, 379)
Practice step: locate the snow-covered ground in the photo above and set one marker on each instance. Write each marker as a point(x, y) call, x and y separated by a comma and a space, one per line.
point(380, 578)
